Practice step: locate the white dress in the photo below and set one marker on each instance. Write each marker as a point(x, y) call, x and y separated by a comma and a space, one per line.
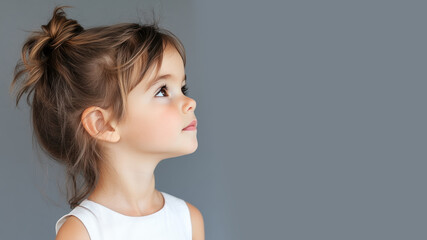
point(171, 222)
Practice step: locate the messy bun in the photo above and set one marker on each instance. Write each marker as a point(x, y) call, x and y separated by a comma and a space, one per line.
point(66, 69)
point(60, 29)
point(37, 50)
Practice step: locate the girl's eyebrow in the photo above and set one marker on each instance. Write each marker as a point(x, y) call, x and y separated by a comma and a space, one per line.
point(165, 76)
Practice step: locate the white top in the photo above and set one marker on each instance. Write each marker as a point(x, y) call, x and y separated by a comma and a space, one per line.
point(171, 222)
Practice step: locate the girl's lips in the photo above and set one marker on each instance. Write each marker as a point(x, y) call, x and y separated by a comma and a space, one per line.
point(191, 126)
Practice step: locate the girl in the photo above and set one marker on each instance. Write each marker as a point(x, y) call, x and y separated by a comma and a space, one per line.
point(110, 103)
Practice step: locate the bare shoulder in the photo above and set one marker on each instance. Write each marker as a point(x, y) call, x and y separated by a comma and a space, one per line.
point(197, 223)
point(72, 229)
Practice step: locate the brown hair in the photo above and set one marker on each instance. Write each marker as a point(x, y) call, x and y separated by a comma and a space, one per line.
point(68, 69)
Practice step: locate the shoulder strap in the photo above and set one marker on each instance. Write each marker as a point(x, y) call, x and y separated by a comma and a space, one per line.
point(180, 207)
point(86, 217)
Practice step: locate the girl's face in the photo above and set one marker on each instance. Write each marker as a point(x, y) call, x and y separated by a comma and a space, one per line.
point(157, 114)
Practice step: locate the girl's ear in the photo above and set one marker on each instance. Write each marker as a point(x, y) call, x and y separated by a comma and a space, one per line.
point(94, 120)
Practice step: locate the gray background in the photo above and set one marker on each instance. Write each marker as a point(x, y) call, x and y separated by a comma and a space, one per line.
point(311, 118)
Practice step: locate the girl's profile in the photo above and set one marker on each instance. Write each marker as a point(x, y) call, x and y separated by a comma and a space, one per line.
point(110, 103)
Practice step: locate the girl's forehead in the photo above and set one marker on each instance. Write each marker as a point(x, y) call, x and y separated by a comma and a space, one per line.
point(171, 67)
point(172, 64)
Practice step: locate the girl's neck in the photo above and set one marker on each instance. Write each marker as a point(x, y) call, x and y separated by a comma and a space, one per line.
point(128, 189)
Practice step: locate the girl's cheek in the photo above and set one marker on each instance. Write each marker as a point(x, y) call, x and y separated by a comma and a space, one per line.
point(154, 122)
point(169, 121)
point(162, 123)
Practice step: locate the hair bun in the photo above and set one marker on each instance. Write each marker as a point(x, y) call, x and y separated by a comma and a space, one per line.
point(60, 29)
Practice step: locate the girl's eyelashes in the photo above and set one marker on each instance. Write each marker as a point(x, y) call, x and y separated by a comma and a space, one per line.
point(184, 89)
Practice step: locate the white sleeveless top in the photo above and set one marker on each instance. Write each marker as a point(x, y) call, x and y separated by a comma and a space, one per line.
point(173, 221)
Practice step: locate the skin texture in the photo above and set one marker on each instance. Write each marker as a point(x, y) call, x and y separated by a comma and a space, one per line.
point(151, 131)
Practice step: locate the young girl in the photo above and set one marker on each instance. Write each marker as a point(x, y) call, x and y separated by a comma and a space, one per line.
point(110, 103)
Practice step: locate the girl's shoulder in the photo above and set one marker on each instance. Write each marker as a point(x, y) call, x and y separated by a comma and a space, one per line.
point(197, 223)
point(72, 228)
point(195, 217)
point(80, 220)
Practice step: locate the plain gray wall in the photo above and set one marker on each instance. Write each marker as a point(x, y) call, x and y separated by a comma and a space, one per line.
point(312, 118)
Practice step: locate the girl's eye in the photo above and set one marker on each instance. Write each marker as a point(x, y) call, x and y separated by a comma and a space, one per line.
point(184, 89)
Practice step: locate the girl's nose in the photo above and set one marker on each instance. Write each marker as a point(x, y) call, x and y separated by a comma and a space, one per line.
point(190, 105)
